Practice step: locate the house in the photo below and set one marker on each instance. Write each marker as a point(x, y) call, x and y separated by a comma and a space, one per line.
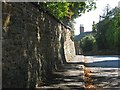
point(78, 37)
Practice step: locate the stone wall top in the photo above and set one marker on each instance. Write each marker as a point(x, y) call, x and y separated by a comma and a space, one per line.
point(46, 11)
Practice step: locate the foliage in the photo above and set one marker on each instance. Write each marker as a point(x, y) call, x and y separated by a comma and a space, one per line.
point(102, 28)
point(94, 30)
point(117, 29)
point(71, 24)
point(110, 34)
point(67, 10)
point(106, 11)
point(108, 30)
point(87, 43)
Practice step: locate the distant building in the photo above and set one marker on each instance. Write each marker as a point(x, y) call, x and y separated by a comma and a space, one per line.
point(82, 33)
point(78, 37)
point(81, 28)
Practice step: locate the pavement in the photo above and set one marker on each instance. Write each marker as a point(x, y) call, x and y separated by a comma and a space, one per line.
point(71, 77)
point(87, 72)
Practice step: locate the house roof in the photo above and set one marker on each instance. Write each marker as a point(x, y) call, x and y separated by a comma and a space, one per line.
point(81, 35)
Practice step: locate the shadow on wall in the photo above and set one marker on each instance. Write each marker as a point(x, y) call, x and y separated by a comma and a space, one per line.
point(32, 46)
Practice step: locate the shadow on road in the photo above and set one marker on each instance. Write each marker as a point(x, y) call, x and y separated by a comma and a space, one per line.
point(104, 71)
point(103, 74)
point(105, 64)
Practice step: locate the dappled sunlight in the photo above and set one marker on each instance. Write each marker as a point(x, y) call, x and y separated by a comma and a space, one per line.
point(74, 75)
point(103, 61)
point(87, 78)
point(102, 74)
point(70, 77)
point(39, 50)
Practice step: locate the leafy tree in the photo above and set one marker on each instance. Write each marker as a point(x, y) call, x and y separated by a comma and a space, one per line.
point(117, 29)
point(94, 30)
point(106, 11)
point(87, 43)
point(102, 28)
point(110, 34)
point(108, 30)
point(67, 11)
point(71, 24)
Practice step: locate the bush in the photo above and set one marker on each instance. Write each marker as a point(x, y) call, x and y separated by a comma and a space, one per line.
point(87, 43)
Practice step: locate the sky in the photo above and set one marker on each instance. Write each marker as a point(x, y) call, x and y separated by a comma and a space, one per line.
point(88, 18)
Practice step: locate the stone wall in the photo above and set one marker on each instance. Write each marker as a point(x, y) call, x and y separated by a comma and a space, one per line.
point(69, 46)
point(34, 44)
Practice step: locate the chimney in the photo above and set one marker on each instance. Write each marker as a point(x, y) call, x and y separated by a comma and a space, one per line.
point(81, 28)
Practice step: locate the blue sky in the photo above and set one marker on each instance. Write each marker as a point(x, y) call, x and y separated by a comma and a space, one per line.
point(88, 18)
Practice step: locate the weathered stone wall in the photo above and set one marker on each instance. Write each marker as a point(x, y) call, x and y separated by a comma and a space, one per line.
point(34, 45)
point(69, 46)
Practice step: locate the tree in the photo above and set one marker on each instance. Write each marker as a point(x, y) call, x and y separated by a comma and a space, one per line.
point(117, 29)
point(87, 43)
point(94, 30)
point(108, 30)
point(102, 28)
point(67, 11)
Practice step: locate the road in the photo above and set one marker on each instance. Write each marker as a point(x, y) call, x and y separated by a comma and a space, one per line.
point(87, 72)
point(104, 71)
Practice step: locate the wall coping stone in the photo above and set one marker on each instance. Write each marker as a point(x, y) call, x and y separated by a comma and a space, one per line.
point(47, 12)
